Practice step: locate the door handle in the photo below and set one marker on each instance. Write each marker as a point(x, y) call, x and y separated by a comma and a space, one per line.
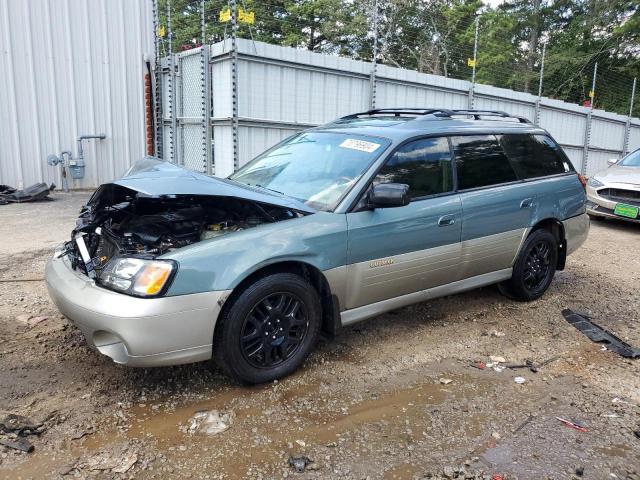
point(526, 203)
point(446, 220)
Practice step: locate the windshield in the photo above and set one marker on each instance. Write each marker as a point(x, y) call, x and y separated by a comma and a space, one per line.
point(631, 160)
point(317, 168)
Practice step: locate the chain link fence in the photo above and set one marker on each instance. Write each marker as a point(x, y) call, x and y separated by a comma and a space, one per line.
point(462, 48)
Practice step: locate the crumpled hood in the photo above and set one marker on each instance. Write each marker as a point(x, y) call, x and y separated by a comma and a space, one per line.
point(155, 178)
point(617, 174)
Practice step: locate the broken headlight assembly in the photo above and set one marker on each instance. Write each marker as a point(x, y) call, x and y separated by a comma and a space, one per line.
point(137, 276)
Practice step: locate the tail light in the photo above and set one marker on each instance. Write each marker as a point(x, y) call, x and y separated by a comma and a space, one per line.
point(583, 181)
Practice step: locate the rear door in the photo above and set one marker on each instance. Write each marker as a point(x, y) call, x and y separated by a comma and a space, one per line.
point(395, 251)
point(497, 207)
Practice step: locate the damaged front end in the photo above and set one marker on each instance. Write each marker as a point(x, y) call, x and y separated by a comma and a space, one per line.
point(127, 224)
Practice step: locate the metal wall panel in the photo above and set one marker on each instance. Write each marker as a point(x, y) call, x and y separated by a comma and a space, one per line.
point(72, 67)
point(283, 90)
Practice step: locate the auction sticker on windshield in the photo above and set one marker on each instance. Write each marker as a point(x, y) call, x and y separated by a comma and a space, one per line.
point(360, 145)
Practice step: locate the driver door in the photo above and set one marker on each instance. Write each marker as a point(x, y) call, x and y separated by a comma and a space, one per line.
point(396, 251)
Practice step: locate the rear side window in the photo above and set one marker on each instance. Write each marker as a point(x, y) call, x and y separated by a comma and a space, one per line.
point(534, 156)
point(480, 161)
point(424, 165)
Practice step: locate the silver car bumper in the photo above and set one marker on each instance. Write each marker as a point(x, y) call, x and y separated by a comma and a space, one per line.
point(604, 207)
point(576, 230)
point(133, 331)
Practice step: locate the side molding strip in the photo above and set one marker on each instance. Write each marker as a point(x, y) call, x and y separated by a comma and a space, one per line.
point(367, 311)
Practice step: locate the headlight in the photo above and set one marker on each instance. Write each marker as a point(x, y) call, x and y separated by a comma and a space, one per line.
point(136, 276)
point(595, 183)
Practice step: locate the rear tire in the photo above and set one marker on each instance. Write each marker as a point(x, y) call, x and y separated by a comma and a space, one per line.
point(268, 330)
point(534, 268)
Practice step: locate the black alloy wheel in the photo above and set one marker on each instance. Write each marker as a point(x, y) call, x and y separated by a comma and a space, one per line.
point(537, 265)
point(534, 267)
point(267, 328)
point(274, 330)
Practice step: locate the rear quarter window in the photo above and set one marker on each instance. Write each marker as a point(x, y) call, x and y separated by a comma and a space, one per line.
point(534, 156)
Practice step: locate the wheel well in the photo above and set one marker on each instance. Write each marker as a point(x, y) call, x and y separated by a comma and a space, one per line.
point(556, 227)
point(329, 302)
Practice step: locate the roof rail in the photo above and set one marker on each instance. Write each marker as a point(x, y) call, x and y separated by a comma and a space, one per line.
point(435, 112)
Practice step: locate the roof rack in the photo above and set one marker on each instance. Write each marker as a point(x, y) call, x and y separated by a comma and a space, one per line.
point(435, 112)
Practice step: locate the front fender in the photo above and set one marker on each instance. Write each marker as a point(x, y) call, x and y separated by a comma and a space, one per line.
point(222, 263)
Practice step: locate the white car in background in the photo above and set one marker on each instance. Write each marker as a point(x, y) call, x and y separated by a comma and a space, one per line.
point(615, 192)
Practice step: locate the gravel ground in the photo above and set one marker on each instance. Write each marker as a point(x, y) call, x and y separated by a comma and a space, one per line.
point(392, 398)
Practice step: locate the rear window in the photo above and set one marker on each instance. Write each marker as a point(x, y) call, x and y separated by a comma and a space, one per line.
point(534, 156)
point(480, 162)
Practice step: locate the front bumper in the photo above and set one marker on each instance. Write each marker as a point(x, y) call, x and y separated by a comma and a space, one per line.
point(139, 332)
point(604, 207)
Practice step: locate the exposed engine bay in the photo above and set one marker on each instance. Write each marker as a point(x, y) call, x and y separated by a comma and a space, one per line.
point(119, 221)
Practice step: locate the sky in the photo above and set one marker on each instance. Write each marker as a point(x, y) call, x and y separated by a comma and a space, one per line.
point(493, 3)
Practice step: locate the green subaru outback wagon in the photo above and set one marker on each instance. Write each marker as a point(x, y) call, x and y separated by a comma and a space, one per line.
point(336, 224)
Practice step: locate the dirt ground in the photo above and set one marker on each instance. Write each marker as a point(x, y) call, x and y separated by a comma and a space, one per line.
point(391, 398)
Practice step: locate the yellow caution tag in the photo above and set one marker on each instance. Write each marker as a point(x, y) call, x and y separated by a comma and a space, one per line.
point(246, 17)
point(225, 15)
point(162, 31)
point(471, 62)
point(592, 94)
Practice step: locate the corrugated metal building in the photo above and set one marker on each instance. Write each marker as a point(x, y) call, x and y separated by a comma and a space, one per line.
point(72, 67)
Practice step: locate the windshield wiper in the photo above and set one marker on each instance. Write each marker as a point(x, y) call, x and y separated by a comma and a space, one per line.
point(264, 188)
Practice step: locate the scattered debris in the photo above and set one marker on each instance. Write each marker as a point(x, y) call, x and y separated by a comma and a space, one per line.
point(34, 193)
point(637, 433)
point(493, 333)
point(600, 335)
point(210, 422)
point(301, 443)
point(83, 433)
point(524, 424)
point(445, 381)
point(497, 359)
point(580, 471)
point(519, 380)
point(20, 425)
point(299, 462)
point(104, 461)
point(20, 443)
point(571, 424)
point(479, 365)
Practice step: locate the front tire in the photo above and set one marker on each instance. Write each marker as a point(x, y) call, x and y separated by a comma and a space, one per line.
point(534, 268)
point(268, 330)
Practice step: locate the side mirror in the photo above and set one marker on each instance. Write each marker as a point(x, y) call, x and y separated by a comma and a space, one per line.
point(612, 161)
point(389, 195)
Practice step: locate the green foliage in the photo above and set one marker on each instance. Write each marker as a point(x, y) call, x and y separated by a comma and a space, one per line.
point(437, 36)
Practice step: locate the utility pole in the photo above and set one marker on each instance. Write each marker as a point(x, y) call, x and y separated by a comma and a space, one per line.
point(157, 79)
point(206, 94)
point(627, 130)
point(544, 51)
point(475, 61)
point(234, 83)
point(587, 133)
point(374, 60)
point(171, 87)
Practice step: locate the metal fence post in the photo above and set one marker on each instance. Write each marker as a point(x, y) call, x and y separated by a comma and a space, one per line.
point(206, 95)
point(374, 59)
point(587, 132)
point(472, 88)
point(234, 83)
point(544, 51)
point(171, 80)
point(157, 87)
point(627, 127)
